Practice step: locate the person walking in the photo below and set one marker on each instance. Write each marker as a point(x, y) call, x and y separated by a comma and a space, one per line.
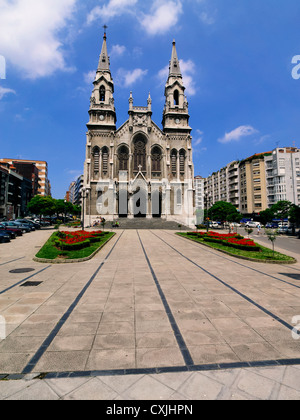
point(258, 229)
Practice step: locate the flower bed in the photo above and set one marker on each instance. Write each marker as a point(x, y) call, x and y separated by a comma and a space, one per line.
point(67, 241)
point(230, 239)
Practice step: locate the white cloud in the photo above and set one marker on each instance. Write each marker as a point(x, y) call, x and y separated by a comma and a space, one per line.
point(164, 15)
point(127, 78)
point(5, 91)
point(89, 77)
point(238, 133)
point(112, 9)
point(207, 19)
point(117, 50)
point(29, 35)
point(198, 140)
point(188, 69)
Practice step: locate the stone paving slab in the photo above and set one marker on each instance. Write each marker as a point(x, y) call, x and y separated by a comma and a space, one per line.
point(157, 302)
point(280, 383)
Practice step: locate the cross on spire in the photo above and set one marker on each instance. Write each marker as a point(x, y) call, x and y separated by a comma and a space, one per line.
point(105, 27)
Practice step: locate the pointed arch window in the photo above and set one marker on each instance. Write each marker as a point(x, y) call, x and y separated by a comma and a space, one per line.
point(123, 156)
point(182, 161)
point(174, 161)
point(176, 97)
point(140, 154)
point(105, 156)
point(96, 156)
point(102, 94)
point(156, 159)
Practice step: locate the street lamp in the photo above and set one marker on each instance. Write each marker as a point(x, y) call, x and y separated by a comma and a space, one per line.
point(83, 196)
point(207, 197)
point(65, 201)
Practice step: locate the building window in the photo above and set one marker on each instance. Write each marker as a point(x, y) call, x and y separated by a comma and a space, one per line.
point(102, 94)
point(96, 155)
point(139, 154)
point(182, 161)
point(105, 155)
point(123, 156)
point(174, 161)
point(176, 98)
point(156, 159)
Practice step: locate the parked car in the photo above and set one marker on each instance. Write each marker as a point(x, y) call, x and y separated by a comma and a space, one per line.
point(25, 229)
point(214, 225)
point(30, 223)
point(15, 230)
point(31, 227)
point(11, 234)
point(252, 224)
point(4, 237)
point(283, 229)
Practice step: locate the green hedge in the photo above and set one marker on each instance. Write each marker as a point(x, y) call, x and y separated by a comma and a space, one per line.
point(237, 246)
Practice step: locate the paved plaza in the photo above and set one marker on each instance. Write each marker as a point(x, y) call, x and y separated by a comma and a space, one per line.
point(152, 316)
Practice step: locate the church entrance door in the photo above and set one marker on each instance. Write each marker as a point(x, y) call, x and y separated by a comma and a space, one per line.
point(156, 203)
point(123, 203)
point(140, 203)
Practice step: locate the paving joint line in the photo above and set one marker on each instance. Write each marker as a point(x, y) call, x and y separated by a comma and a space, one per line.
point(40, 352)
point(24, 280)
point(266, 311)
point(9, 262)
point(198, 245)
point(153, 371)
point(178, 336)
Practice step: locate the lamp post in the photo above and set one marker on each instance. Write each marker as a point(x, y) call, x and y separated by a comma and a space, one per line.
point(65, 201)
point(207, 197)
point(83, 196)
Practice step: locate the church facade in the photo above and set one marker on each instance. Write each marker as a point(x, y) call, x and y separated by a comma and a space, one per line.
point(138, 170)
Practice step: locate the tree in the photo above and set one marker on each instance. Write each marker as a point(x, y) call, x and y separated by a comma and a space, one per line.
point(282, 209)
point(295, 215)
point(42, 206)
point(272, 236)
point(266, 216)
point(223, 211)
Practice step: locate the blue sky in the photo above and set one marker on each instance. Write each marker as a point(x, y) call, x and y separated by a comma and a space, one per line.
point(236, 57)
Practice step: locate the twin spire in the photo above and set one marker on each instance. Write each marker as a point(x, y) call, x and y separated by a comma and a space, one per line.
point(174, 69)
point(104, 64)
point(104, 59)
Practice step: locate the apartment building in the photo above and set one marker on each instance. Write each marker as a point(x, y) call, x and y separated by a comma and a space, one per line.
point(223, 185)
point(199, 193)
point(42, 166)
point(282, 172)
point(11, 204)
point(257, 182)
point(252, 186)
point(70, 194)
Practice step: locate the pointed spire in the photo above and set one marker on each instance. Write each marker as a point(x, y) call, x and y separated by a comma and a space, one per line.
point(104, 59)
point(174, 63)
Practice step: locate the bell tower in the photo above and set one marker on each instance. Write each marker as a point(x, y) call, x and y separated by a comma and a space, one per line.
point(102, 109)
point(176, 114)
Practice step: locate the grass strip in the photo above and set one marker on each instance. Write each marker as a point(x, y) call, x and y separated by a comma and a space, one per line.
point(50, 251)
point(264, 255)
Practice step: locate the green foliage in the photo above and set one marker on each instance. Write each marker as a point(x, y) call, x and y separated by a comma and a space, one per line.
point(48, 206)
point(223, 211)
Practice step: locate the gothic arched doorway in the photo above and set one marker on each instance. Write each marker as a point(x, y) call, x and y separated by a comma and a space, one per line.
point(140, 203)
point(156, 203)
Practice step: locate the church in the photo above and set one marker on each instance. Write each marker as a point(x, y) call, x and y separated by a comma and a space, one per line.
point(138, 170)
